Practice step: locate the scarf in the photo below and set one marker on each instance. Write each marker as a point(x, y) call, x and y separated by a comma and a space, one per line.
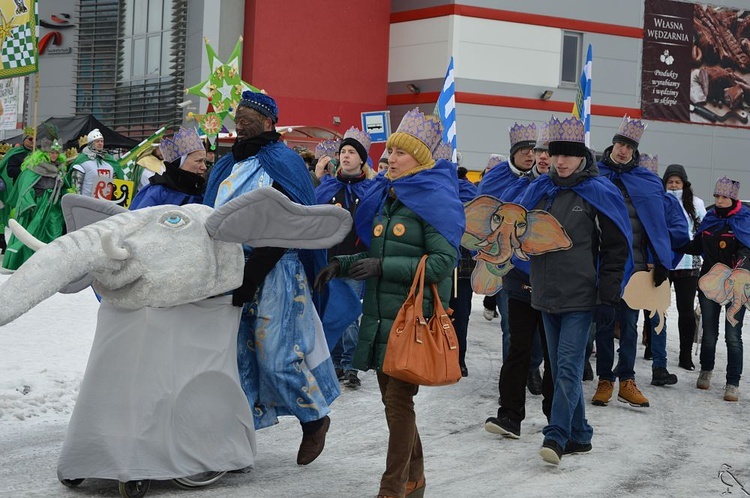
point(180, 180)
point(432, 194)
point(354, 189)
point(737, 217)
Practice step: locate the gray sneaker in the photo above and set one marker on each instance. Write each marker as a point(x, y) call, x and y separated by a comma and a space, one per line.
point(731, 393)
point(704, 379)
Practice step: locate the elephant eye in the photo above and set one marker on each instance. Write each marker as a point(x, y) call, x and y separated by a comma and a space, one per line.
point(521, 224)
point(173, 220)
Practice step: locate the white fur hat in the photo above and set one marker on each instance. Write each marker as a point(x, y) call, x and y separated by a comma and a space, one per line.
point(95, 134)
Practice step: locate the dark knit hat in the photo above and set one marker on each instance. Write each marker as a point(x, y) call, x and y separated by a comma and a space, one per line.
point(260, 102)
point(675, 170)
point(561, 148)
point(357, 146)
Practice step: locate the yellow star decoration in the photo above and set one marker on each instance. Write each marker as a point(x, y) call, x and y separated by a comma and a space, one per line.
point(5, 26)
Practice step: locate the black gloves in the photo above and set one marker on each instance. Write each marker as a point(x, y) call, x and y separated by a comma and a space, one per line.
point(326, 274)
point(244, 294)
point(604, 315)
point(660, 274)
point(366, 268)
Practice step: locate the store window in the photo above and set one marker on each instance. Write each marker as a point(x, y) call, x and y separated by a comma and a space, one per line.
point(570, 70)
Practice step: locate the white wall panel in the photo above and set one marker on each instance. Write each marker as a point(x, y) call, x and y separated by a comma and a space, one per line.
point(420, 49)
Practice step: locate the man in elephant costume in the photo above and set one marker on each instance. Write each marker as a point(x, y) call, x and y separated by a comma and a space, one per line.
point(280, 324)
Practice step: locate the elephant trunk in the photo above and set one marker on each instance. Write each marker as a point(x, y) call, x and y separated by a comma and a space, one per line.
point(64, 260)
point(735, 305)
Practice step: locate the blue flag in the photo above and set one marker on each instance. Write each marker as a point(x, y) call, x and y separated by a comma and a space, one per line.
point(447, 110)
point(582, 105)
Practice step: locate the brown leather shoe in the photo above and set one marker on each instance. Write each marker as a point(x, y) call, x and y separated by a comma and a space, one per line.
point(312, 444)
point(415, 489)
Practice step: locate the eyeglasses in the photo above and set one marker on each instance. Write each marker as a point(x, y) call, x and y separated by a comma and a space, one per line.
point(525, 150)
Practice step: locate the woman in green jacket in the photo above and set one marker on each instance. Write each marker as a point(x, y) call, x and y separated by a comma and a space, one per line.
point(410, 211)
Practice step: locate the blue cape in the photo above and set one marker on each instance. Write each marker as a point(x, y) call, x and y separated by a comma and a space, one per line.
point(160, 195)
point(739, 223)
point(288, 169)
point(342, 307)
point(432, 194)
point(597, 191)
point(466, 190)
point(496, 180)
point(647, 195)
point(330, 186)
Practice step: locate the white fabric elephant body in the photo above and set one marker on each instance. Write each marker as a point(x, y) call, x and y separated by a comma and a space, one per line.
point(161, 396)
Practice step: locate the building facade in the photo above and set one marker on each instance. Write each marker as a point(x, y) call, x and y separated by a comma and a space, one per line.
point(127, 62)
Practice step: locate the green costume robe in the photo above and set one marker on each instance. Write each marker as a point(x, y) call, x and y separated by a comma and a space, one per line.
point(37, 209)
point(7, 196)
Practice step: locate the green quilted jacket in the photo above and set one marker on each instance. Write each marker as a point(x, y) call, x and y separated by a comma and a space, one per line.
point(399, 238)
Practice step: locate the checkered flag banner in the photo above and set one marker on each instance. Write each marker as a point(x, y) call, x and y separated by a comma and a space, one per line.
point(18, 35)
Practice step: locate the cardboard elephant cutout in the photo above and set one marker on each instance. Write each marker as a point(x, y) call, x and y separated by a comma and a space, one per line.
point(727, 286)
point(640, 294)
point(497, 231)
point(161, 396)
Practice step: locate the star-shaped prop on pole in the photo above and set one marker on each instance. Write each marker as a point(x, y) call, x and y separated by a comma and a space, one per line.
point(222, 89)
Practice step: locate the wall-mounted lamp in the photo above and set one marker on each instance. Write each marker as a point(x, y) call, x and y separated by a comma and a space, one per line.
point(413, 88)
point(336, 120)
point(546, 95)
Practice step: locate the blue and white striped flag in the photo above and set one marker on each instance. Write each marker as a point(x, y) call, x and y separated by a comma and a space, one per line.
point(447, 110)
point(582, 105)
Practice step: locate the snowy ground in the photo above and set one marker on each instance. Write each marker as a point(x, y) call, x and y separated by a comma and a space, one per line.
point(674, 448)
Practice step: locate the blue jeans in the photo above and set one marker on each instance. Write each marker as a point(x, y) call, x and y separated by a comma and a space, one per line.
point(567, 335)
point(605, 346)
point(710, 311)
point(658, 343)
point(343, 352)
point(502, 309)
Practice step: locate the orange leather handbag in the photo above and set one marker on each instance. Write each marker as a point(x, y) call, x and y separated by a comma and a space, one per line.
point(419, 351)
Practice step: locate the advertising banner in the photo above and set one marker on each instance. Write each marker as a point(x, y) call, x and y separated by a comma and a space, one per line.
point(696, 63)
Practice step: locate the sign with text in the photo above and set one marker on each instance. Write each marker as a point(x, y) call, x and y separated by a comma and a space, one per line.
point(696, 63)
point(377, 124)
point(9, 89)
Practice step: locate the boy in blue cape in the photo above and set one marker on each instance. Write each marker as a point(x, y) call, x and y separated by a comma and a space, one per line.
point(658, 225)
point(571, 287)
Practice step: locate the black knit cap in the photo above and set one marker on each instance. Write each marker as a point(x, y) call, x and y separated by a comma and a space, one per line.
point(521, 144)
point(357, 146)
point(675, 170)
point(625, 140)
point(561, 148)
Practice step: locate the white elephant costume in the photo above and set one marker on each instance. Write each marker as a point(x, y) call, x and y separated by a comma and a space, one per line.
point(161, 396)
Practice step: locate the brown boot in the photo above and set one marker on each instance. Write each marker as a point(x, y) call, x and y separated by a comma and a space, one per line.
point(629, 393)
point(415, 489)
point(312, 444)
point(603, 392)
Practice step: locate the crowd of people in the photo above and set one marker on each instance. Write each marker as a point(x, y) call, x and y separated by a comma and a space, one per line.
point(555, 307)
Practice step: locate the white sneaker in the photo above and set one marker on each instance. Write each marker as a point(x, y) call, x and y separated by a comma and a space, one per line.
point(704, 379)
point(731, 393)
point(489, 314)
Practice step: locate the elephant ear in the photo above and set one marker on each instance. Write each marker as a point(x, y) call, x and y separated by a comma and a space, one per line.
point(267, 218)
point(712, 283)
point(543, 234)
point(80, 210)
point(478, 212)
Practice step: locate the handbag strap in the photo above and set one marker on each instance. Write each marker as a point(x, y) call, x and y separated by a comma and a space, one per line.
point(441, 315)
point(417, 289)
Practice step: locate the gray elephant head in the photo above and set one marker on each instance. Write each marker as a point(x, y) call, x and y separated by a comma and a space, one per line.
point(163, 255)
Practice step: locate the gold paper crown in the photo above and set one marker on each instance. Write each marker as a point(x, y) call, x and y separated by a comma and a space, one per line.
point(185, 141)
point(360, 136)
point(542, 136)
point(569, 130)
point(425, 128)
point(327, 148)
point(83, 140)
point(651, 163)
point(727, 188)
point(631, 130)
point(28, 131)
point(494, 160)
point(522, 133)
point(443, 151)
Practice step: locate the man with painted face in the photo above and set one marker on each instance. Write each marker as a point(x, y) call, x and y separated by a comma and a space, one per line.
point(346, 189)
point(283, 359)
point(656, 229)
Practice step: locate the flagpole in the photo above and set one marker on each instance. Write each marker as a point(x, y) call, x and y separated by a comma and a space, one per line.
point(36, 108)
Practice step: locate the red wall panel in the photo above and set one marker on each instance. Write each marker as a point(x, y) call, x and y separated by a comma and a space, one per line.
point(319, 59)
